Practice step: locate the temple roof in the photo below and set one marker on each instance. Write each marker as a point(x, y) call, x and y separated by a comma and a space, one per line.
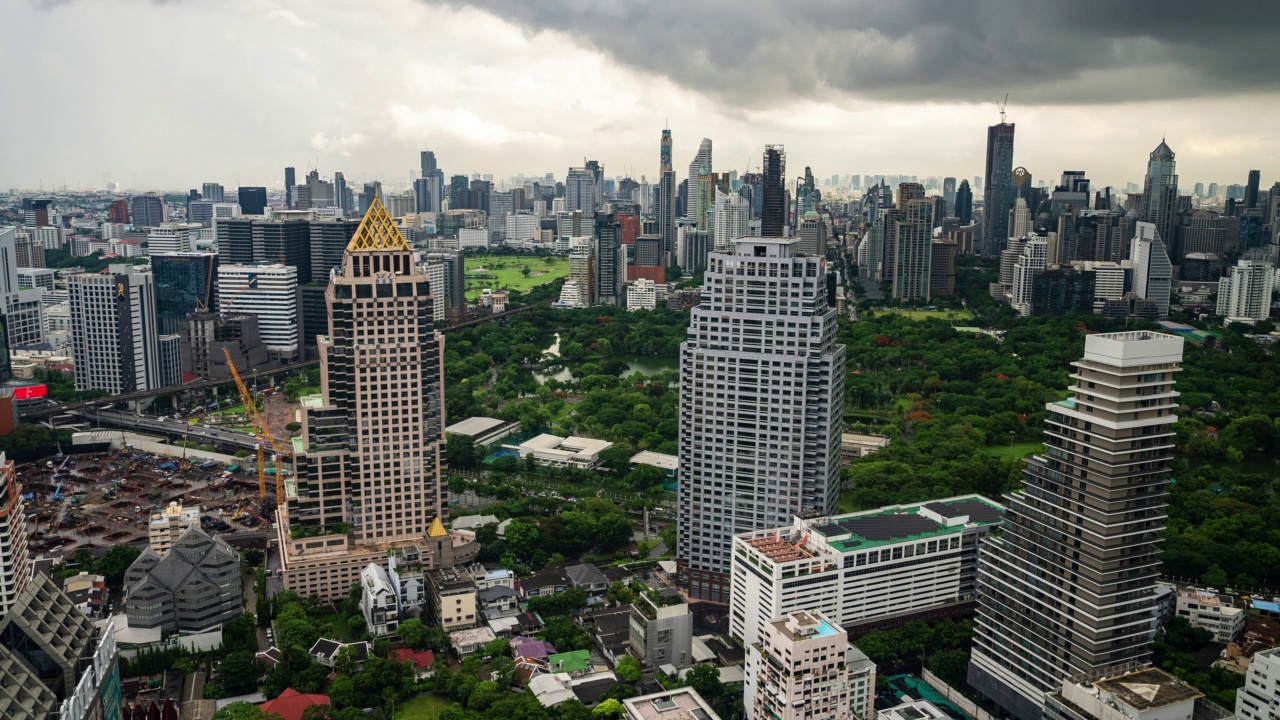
point(377, 231)
point(437, 528)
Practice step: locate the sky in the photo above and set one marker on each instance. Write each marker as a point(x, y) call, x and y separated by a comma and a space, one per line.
point(168, 94)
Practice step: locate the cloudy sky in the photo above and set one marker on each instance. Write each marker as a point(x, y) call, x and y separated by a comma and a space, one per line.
point(166, 95)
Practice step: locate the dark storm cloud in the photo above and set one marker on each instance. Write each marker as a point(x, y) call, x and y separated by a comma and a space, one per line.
point(752, 52)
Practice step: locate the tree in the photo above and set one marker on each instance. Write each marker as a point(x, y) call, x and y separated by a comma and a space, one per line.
point(565, 635)
point(238, 673)
point(298, 633)
point(498, 647)
point(706, 680)
point(413, 633)
point(628, 669)
point(951, 666)
point(241, 710)
point(115, 562)
point(610, 709)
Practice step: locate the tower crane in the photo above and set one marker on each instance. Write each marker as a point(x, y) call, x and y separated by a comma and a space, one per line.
point(265, 438)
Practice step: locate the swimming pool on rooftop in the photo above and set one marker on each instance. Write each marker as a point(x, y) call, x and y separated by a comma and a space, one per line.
point(825, 629)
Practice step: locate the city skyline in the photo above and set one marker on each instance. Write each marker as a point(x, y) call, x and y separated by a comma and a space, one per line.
point(283, 98)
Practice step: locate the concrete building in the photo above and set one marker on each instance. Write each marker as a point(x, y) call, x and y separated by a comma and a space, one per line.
point(797, 670)
point(1152, 271)
point(553, 451)
point(114, 332)
point(15, 572)
point(642, 295)
point(203, 336)
point(1257, 699)
point(910, 244)
point(1245, 293)
point(864, 570)
point(812, 234)
point(761, 354)
point(483, 431)
point(22, 309)
point(269, 292)
point(379, 600)
point(1030, 263)
point(1077, 595)
point(473, 238)
point(1160, 192)
point(36, 278)
point(451, 599)
point(679, 704)
point(454, 295)
point(731, 214)
point(367, 483)
point(172, 238)
point(1209, 611)
point(662, 629)
point(45, 641)
point(193, 586)
point(169, 524)
point(1129, 693)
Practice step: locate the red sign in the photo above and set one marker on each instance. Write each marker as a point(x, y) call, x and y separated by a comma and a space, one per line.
point(30, 392)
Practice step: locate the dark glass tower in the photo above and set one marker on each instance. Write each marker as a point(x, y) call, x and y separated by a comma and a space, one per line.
point(253, 200)
point(964, 203)
point(290, 188)
point(184, 282)
point(1251, 190)
point(999, 192)
point(773, 208)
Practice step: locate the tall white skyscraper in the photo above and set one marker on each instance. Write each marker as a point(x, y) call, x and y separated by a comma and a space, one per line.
point(23, 310)
point(580, 191)
point(731, 213)
point(761, 405)
point(270, 292)
point(1245, 293)
point(1152, 271)
point(1035, 255)
point(114, 331)
point(700, 161)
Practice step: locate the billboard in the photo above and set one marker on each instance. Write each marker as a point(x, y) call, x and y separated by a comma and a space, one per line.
point(31, 392)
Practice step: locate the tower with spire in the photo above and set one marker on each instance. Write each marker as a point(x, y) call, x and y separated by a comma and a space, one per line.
point(1160, 191)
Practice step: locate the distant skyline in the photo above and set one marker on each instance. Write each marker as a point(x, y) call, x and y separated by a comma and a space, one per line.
point(167, 95)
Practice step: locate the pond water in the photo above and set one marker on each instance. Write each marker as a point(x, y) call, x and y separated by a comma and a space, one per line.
point(645, 364)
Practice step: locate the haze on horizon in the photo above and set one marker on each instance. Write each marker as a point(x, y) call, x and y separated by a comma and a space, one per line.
point(166, 95)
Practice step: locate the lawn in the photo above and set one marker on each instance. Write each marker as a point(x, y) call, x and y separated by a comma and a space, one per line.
point(1017, 452)
point(846, 502)
point(499, 272)
point(423, 707)
point(939, 314)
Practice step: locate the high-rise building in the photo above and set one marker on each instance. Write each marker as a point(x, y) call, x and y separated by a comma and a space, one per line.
point(368, 467)
point(610, 266)
point(22, 308)
point(812, 233)
point(912, 244)
point(118, 212)
point(942, 267)
point(949, 194)
point(1257, 699)
point(114, 331)
point(1245, 293)
point(15, 572)
point(1069, 587)
point(171, 238)
point(773, 209)
point(760, 410)
point(1032, 262)
point(963, 209)
point(454, 292)
point(328, 239)
point(269, 291)
point(580, 191)
point(185, 283)
point(341, 194)
point(701, 160)
point(427, 161)
point(1160, 191)
point(213, 192)
point(1152, 271)
point(732, 211)
point(998, 194)
point(800, 670)
point(290, 189)
point(666, 213)
point(147, 210)
point(1251, 189)
point(246, 240)
point(252, 200)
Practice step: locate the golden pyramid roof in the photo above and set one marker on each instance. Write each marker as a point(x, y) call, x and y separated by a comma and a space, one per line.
point(437, 528)
point(377, 231)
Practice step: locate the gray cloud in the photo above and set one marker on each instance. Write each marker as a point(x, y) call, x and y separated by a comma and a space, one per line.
point(751, 53)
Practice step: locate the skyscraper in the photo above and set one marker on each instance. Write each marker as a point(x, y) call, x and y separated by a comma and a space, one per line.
point(113, 330)
point(580, 190)
point(773, 209)
point(700, 160)
point(912, 245)
point(1160, 191)
point(15, 573)
point(610, 266)
point(1069, 587)
point(290, 189)
point(368, 464)
point(184, 282)
point(1251, 189)
point(964, 203)
point(998, 194)
point(341, 194)
point(427, 159)
point(1152, 271)
point(666, 195)
point(1245, 292)
point(732, 211)
point(146, 210)
point(760, 408)
point(213, 192)
point(253, 200)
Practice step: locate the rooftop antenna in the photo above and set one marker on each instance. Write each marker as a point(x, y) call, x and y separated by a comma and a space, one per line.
point(1002, 105)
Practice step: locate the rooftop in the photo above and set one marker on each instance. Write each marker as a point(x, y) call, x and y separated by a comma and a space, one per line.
point(1148, 688)
point(658, 460)
point(679, 704)
point(474, 426)
point(900, 523)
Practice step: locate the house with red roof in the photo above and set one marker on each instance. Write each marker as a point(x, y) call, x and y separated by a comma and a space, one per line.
point(422, 660)
point(291, 704)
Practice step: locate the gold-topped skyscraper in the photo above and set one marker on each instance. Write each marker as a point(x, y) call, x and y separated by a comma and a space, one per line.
point(368, 456)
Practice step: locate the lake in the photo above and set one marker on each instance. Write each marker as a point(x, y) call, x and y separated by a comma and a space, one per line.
point(646, 364)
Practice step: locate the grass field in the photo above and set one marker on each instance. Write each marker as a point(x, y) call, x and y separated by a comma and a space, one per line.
point(1019, 450)
point(497, 272)
point(423, 707)
point(939, 314)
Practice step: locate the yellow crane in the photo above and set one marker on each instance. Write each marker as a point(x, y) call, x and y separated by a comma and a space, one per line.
point(265, 437)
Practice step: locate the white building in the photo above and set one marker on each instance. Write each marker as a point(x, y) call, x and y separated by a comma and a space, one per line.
point(167, 525)
point(576, 452)
point(523, 230)
point(679, 704)
point(172, 238)
point(1258, 699)
point(1152, 271)
point(435, 278)
point(271, 293)
point(797, 670)
point(114, 334)
point(761, 405)
point(1147, 693)
point(732, 211)
point(1035, 254)
point(379, 600)
point(1210, 611)
point(15, 572)
point(1244, 294)
point(23, 311)
point(899, 562)
point(571, 296)
point(473, 238)
point(36, 278)
point(642, 295)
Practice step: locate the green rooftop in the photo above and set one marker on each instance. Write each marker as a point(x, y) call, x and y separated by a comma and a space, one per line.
point(906, 523)
point(571, 661)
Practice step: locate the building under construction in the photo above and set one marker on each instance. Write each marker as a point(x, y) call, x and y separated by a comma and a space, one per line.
point(207, 337)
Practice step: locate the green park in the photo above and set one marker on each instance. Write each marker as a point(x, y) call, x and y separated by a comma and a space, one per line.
point(518, 273)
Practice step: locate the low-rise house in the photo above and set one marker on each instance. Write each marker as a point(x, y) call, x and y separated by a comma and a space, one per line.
point(546, 582)
point(379, 601)
point(554, 689)
point(325, 651)
point(534, 648)
point(291, 704)
point(611, 630)
point(465, 642)
point(422, 660)
point(501, 601)
point(662, 629)
point(88, 593)
point(589, 578)
point(494, 578)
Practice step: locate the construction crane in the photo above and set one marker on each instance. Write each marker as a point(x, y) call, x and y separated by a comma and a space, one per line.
point(265, 438)
point(1001, 105)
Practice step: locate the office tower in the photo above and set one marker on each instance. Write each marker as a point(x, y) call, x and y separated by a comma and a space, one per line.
point(35, 211)
point(942, 267)
point(270, 292)
point(424, 195)
point(1030, 263)
point(912, 246)
point(427, 161)
point(949, 194)
point(171, 238)
point(189, 587)
point(610, 260)
point(731, 213)
point(597, 173)
point(1251, 189)
point(235, 240)
point(147, 210)
point(998, 194)
point(1160, 191)
point(800, 670)
point(184, 284)
point(290, 189)
point(113, 330)
point(501, 204)
point(773, 210)
point(314, 193)
point(370, 482)
point(580, 191)
point(247, 240)
point(15, 572)
point(1198, 190)
point(1152, 271)
point(213, 192)
point(964, 203)
point(118, 212)
point(692, 247)
point(1244, 294)
point(1203, 231)
point(455, 281)
point(700, 160)
point(941, 536)
point(704, 196)
point(1069, 587)
point(812, 233)
point(252, 200)
point(666, 213)
point(341, 194)
point(740, 373)
point(22, 309)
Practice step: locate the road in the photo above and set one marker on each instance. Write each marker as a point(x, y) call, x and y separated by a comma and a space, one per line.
point(172, 428)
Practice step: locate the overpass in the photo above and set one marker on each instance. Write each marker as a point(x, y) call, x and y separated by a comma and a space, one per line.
point(177, 429)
